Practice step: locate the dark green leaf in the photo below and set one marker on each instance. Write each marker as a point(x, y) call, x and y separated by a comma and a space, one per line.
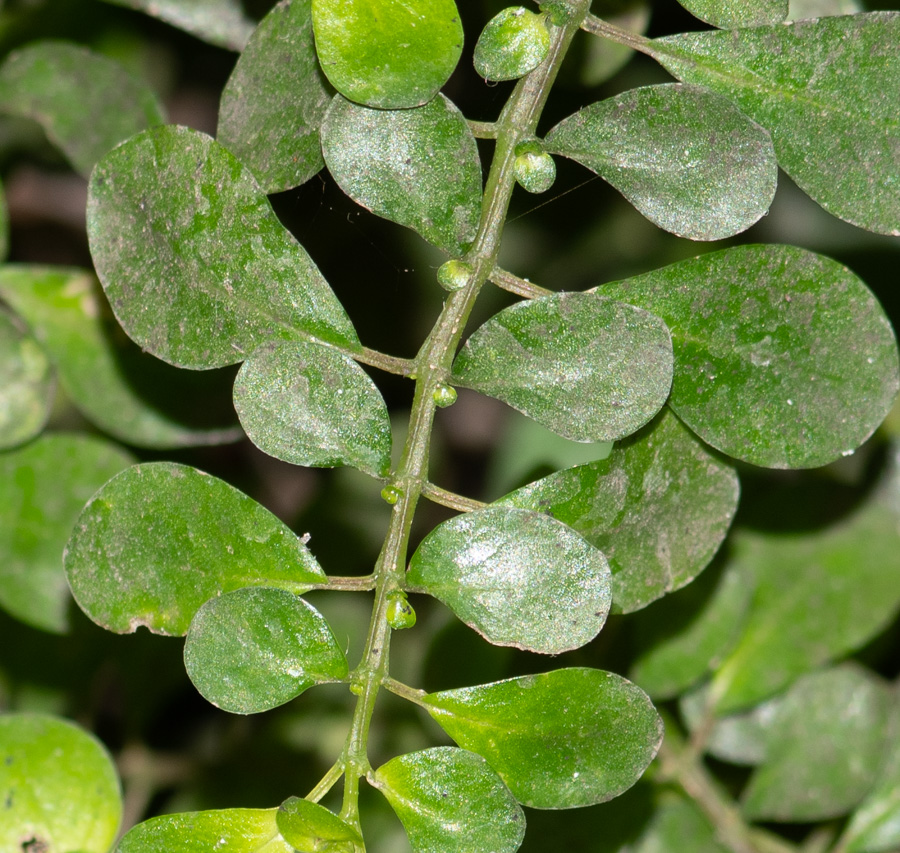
point(737, 13)
point(827, 90)
point(275, 99)
point(387, 54)
point(256, 648)
point(43, 487)
point(687, 158)
point(309, 826)
point(161, 539)
point(658, 507)
point(586, 367)
point(85, 102)
point(307, 404)
point(514, 42)
point(196, 265)
point(572, 737)
point(519, 578)
point(419, 167)
point(783, 358)
point(58, 787)
point(678, 821)
point(450, 801)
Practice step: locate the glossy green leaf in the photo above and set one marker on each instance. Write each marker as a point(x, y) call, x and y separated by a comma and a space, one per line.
point(43, 487)
point(825, 747)
point(419, 167)
point(450, 801)
point(59, 790)
point(307, 404)
point(385, 53)
point(567, 738)
point(783, 358)
point(127, 393)
point(308, 826)
point(730, 14)
point(514, 42)
point(275, 99)
point(588, 368)
point(685, 157)
point(161, 539)
point(519, 578)
point(224, 831)
point(85, 102)
point(658, 507)
point(197, 267)
point(827, 90)
point(675, 822)
point(256, 648)
point(26, 383)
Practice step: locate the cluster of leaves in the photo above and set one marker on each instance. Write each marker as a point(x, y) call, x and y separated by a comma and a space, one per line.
point(762, 355)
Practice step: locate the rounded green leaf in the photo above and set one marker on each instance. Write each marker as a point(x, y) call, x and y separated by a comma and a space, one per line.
point(86, 103)
point(308, 826)
point(386, 53)
point(783, 358)
point(567, 738)
point(731, 14)
point(419, 167)
point(519, 578)
point(275, 99)
point(588, 368)
point(256, 648)
point(197, 267)
point(450, 801)
point(307, 404)
point(514, 42)
point(59, 790)
point(43, 487)
point(675, 821)
point(161, 539)
point(686, 158)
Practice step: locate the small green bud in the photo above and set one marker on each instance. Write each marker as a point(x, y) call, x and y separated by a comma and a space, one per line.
point(391, 494)
point(444, 395)
point(514, 42)
point(400, 613)
point(454, 275)
point(535, 170)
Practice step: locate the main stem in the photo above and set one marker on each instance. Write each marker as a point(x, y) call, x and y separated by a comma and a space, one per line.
point(432, 367)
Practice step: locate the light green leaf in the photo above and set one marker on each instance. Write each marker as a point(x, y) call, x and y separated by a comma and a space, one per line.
point(161, 539)
point(658, 507)
point(737, 13)
point(586, 367)
point(418, 167)
point(85, 102)
point(58, 787)
point(275, 99)
point(26, 382)
point(43, 487)
point(256, 648)
point(519, 578)
point(800, 9)
point(685, 157)
point(307, 404)
point(385, 53)
point(675, 821)
point(567, 738)
point(783, 358)
point(514, 42)
point(827, 90)
point(197, 267)
point(450, 801)
point(308, 826)
point(127, 393)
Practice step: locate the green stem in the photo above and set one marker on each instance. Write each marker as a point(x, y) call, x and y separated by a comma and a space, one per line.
point(520, 286)
point(450, 499)
point(598, 27)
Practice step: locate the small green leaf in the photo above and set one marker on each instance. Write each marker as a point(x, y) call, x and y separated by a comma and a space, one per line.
point(256, 648)
point(827, 90)
point(588, 368)
point(686, 158)
point(386, 53)
point(450, 801)
point(676, 821)
point(85, 102)
point(737, 13)
point(58, 787)
point(309, 826)
point(514, 42)
point(275, 99)
point(197, 267)
point(783, 358)
point(517, 577)
point(43, 487)
point(567, 738)
point(417, 167)
point(680, 502)
point(161, 539)
point(309, 405)
point(534, 168)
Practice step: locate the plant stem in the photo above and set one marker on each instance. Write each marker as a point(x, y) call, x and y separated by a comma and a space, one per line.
point(520, 286)
point(598, 27)
point(450, 499)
